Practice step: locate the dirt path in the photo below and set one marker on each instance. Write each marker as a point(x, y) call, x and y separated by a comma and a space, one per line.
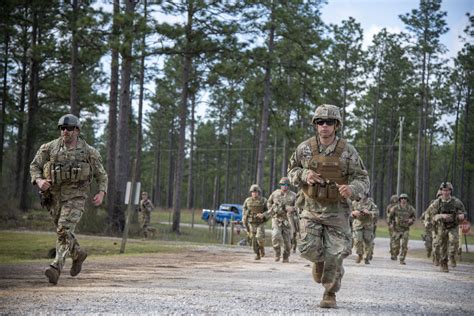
point(226, 280)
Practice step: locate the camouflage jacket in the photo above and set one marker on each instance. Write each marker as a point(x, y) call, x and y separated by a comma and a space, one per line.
point(252, 207)
point(402, 217)
point(453, 207)
point(277, 203)
point(370, 214)
point(146, 205)
point(83, 154)
point(351, 163)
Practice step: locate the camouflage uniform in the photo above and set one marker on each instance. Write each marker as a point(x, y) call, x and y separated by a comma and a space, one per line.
point(255, 225)
point(400, 219)
point(446, 230)
point(428, 235)
point(146, 206)
point(278, 204)
point(70, 171)
point(325, 230)
point(363, 228)
point(393, 202)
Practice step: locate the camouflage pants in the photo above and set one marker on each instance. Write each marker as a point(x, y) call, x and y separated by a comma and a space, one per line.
point(399, 243)
point(446, 242)
point(66, 215)
point(281, 238)
point(257, 232)
point(144, 220)
point(363, 239)
point(390, 233)
point(428, 239)
point(327, 239)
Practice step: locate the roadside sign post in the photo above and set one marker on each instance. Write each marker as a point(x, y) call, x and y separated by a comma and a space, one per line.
point(132, 197)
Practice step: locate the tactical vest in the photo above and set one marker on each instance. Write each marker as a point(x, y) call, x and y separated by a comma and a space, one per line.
point(450, 209)
point(402, 217)
point(330, 169)
point(255, 207)
point(69, 166)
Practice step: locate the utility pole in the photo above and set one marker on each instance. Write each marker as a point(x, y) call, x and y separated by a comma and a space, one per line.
point(399, 173)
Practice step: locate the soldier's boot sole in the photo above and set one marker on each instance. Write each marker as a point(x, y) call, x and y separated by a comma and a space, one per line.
point(444, 268)
point(452, 261)
point(77, 263)
point(393, 258)
point(359, 259)
point(328, 301)
point(367, 261)
point(317, 271)
point(52, 274)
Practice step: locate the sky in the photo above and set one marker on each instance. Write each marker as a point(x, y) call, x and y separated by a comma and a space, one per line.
point(373, 15)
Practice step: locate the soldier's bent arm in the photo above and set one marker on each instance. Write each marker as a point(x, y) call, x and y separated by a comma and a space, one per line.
point(40, 159)
point(358, 177)
point(100, 174)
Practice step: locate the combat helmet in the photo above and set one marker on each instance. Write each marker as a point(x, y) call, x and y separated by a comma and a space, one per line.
point(403, 195)
point(327, 111)
point(284, 180)
point(394, 198)
point(445, 185)
point(69, 120)
point(255, 188)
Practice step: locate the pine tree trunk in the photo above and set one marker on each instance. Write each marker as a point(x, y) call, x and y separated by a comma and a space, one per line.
point(112, 124)
point(157, 190)
point(171, 170)
point(123, 149)
point(227, 155)
point(138, 153)
point(190, 199)
point(6, 43)
point(33, 88)
point(267, 99)
point(464, 146)
point(21, 118)
point(73, 97)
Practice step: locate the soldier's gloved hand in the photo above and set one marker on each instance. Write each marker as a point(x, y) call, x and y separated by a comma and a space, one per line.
point(43, 184)
point(344, 190)
point(356, 213)
point(447, 217)
point(311, 177)
point(461, 217)
point(260, 216)
point(290, 209)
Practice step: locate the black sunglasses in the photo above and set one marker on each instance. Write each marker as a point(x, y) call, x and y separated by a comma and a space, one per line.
point(327, 122)
point(69, 128)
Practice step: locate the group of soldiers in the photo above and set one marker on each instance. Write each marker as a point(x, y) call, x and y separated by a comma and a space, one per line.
point(441, 221)
point(333, 186)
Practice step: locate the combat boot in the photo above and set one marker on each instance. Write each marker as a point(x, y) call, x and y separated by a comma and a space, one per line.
point(277, 253)
point(394, 258)
point(359, 259)
point(52, 273)
point(444, 267)
point(428, 253)
point(317, 271)
point(452, 261)
point(285, 259)
point(329, 300)
point(76, 267)
point(262, 251)
point(402, 261)
point(367, 260)
point(257, 256)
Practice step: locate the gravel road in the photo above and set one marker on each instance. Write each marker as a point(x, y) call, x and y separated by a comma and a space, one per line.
point(226, 280)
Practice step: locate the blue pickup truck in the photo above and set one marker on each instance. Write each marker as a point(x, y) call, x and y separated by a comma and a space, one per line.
point(231, 212)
